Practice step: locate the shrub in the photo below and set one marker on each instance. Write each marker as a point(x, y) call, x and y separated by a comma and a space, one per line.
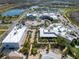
point(34, 51)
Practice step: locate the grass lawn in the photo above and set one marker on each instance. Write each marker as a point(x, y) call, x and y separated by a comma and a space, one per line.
point(3, 27)
point(66, 13)
point(43, 40)
point(77, 49)
point(70, 9)
point(6, 7)
point(1, 32)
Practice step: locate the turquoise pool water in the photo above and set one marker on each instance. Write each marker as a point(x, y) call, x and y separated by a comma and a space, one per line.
point(13, 12)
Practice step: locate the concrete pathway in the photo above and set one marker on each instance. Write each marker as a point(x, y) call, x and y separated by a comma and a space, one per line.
point(31, 41)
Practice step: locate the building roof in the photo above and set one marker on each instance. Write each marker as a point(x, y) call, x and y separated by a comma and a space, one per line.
point(70, 37)
point(54, 30)
point(15, 35)
point(51, 15)
point(15, 55)
point(34, 7)
point(46, 33)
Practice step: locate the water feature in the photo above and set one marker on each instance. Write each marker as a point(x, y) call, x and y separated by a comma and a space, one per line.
point(13, 12)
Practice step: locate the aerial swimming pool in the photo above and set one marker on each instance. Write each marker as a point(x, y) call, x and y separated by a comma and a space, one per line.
point(13, 12)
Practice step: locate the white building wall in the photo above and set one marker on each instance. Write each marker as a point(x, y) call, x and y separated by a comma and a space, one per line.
point(14, 40)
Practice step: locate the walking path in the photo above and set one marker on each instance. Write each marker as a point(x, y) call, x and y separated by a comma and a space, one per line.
point(31, 41)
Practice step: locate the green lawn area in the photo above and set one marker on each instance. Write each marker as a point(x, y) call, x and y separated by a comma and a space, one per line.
point(73, 21)
point(43, 40)
point(66, 14)
point(3, 27)
point(1, 32)
point(70, 9)
point(77, 49)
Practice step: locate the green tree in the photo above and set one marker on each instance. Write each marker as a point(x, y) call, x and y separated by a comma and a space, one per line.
point(24, 50)
point(34, 51)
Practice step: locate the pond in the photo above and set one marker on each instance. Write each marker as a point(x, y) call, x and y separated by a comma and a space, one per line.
point(13, 12)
